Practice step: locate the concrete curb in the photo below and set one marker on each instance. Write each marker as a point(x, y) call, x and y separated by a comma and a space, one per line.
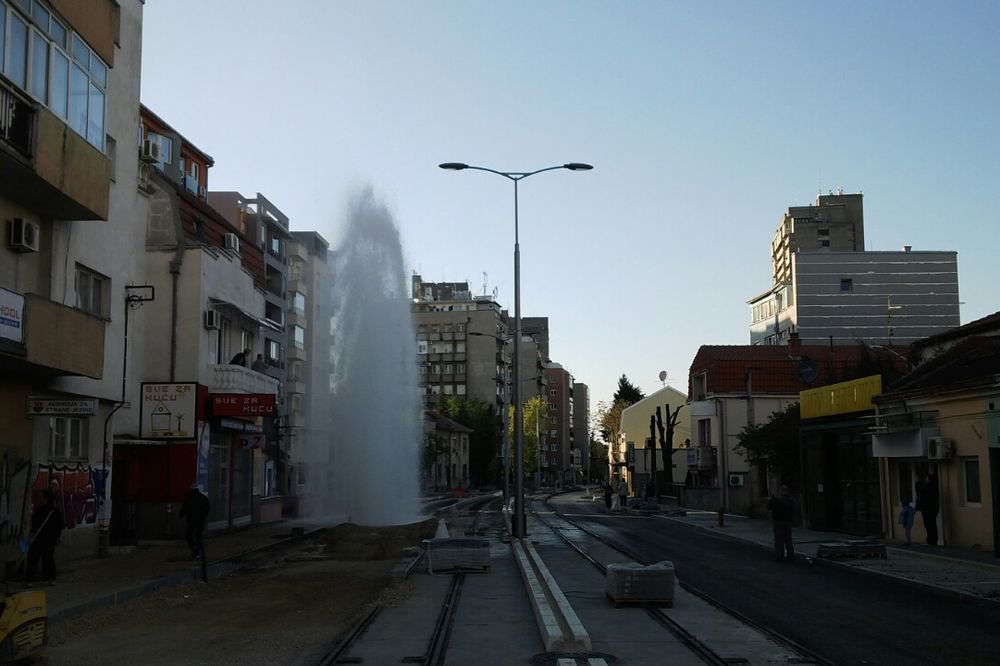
point(214, 570)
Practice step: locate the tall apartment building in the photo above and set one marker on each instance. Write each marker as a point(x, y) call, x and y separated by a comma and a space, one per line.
point(829, 290)
point(461, 343)
point(581, 429)
point(558, 443)
point(537, 328)
point(69, 95)
point(307, 390)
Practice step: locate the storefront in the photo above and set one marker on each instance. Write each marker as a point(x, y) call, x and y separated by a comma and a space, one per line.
point(840, 477)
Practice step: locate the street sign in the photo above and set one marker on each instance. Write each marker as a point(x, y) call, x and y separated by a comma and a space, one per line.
point(61, 407)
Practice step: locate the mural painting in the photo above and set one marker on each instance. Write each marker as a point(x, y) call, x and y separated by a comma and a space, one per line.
point(73, 485)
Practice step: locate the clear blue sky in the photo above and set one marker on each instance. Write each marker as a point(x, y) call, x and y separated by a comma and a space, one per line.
point(704, 122)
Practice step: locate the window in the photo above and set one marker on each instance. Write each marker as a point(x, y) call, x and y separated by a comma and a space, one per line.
point(460, 389)
point(460, 369)
point(166, 147)
point(448, 389)
point(34, 57)
point(299, 337)
point(460, 328)
point(846, 284)
point(68, 437)
point(460, 347)
point(299, 303)
point(91, 291)
point(273, 352)
point(246, 342)
point(449, 369)
point(421, 346)
point(276, 245)
point(704, 432)
point(973, 490)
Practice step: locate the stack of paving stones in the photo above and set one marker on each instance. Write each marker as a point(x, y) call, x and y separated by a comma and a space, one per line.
point(632, 583)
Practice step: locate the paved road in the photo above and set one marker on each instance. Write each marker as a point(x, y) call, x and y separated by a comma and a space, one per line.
point(845, 617)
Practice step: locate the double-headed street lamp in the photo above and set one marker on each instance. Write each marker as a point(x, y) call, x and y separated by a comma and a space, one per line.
point(518, 527)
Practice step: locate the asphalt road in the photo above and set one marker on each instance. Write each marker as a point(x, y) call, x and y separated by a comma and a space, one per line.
point(846, 617)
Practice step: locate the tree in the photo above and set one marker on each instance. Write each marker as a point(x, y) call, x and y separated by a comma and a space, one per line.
point(598, 460)
point(609, 422)
point(628, 392)
point(774, 444)
point(484, 440)
point(536, 422)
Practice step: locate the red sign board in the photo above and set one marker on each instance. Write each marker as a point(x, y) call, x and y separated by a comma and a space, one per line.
point(242, 404)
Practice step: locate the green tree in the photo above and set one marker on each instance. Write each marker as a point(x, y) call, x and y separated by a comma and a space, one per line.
point(598, 460)
point(536, 422)
point(484, 440)
point(628, 392)
point(774, 444)
point(434, 447)
point(609, 423)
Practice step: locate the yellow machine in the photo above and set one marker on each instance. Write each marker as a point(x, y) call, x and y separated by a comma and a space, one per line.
point(23, 620)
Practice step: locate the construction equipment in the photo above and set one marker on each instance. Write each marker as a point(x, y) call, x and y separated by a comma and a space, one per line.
point(23, 624)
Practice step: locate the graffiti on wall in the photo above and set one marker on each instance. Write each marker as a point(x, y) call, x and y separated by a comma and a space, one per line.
point(73, 486)
point(13, 491)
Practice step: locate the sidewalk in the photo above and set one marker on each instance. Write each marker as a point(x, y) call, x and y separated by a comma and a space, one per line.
point(952, 571)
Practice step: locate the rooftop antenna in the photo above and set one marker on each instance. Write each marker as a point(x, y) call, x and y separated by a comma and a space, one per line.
point(485, 281)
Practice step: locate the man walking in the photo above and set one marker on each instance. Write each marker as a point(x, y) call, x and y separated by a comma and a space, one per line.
point(622, 493)
point(195, 508)
point(782, 510)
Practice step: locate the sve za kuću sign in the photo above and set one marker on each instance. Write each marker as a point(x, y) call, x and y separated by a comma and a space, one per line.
point(241, 404)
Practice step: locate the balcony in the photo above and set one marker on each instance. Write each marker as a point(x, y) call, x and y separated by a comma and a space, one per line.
point(47, 167)
point(293, 353)
point(63, 339)
point(237, 379)
point(295, 386)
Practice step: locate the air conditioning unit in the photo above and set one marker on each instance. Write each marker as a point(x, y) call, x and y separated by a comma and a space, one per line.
point(232, 242)
point(213, 321)
point(939, 448)
point(23, 236)
point(736, 480)
point(150, 151)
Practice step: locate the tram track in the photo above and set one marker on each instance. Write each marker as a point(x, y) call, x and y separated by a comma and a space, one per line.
point(702, 649)
point(437, 643)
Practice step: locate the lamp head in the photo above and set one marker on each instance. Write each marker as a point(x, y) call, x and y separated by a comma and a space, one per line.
point(577, 166)
point(454, 166)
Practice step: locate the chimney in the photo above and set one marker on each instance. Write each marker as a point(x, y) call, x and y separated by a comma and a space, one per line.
point(907, 248)
point(794, 344)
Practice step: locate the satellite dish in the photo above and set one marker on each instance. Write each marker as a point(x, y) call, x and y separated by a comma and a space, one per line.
point(663, 375)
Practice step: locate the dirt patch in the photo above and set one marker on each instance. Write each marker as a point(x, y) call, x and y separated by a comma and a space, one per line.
point(285, 611)
point(359, 543)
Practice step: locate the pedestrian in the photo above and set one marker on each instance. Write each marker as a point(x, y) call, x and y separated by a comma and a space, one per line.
point(782, 510)
point(241, 358)
point(906, 519)
point(607, 494)
point(195, 508)
point(928, 504)
point(46, 528)
point(259, 365)
point(622, 493)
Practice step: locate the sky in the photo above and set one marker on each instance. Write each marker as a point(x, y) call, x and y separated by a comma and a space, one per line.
point(704, 123)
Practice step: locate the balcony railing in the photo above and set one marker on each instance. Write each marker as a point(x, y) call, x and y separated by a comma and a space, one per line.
point(237, 379)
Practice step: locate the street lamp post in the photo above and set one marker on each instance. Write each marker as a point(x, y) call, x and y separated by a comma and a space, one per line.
point(518, 527)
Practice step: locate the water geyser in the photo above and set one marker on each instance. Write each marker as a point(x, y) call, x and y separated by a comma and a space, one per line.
point(365, 468)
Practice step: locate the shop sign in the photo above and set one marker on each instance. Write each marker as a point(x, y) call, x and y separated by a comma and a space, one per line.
point(242, 404)
point(61, 407)
point(168, 411)
point(242, 426)
point(843, 398)
point(11, 315)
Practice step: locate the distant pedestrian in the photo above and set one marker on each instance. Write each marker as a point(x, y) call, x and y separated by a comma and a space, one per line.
point(241, 358)
point(906, 519)
point(46, 528)
point(622, 493)
point(782, 510)
point(928, 504)
point(259, 365)
point(195, 508)
point(607, 494)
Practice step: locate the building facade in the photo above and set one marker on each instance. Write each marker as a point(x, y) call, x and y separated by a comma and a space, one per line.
point(581, 429)
point(558, 460)
point(829, 290)
point(635, 424)
point(69, 91)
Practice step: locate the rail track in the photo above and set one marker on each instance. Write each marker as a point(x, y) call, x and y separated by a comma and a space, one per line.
point(437, 644)
point(699, 647)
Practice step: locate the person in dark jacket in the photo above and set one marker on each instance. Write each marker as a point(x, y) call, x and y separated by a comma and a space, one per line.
point(607, 495)
point(195, 508)
point(782, 510)
point(241, 358)
point(46, 528)
point(928, 504)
